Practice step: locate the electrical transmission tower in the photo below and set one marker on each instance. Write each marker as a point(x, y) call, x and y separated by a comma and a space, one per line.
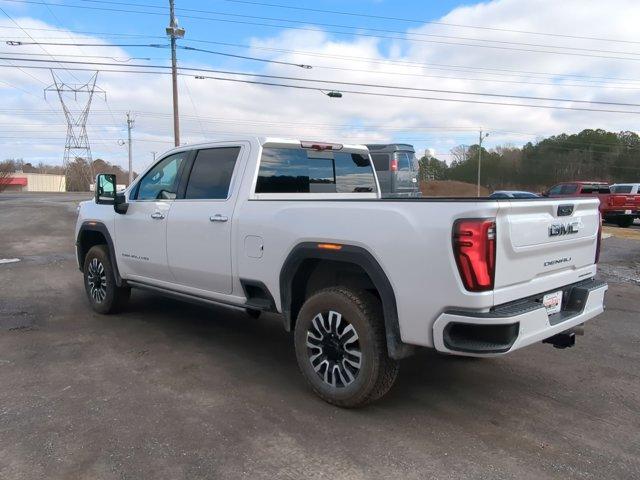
point(79, 174)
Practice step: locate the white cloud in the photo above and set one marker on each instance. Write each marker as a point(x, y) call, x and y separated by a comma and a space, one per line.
point(35, 129)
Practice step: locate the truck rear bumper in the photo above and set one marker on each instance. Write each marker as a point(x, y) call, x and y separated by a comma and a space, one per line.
point(517, 324)
point(629, 212)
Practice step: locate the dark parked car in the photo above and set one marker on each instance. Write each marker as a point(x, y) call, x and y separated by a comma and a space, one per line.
point(513, 194)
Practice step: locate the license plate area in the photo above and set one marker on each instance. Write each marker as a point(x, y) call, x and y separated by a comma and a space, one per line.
point(627, 212)
point(552, 302)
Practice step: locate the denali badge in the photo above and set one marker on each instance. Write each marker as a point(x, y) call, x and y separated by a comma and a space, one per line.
point(558, 229)
point(557, 261)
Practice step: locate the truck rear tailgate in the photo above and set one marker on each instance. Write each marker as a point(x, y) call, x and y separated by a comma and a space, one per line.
point(544, 244)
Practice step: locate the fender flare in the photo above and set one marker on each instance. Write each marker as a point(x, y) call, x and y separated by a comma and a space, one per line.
point(348, 254)
point(93, 226)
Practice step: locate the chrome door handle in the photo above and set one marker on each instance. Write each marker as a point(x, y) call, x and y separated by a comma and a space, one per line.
point(218, 218)
point(157, 216)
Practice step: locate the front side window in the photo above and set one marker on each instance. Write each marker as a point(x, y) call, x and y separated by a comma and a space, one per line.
point(161, 182)
point(211, 173)
point(556, 190)
point(569, 189)
point(296, 170)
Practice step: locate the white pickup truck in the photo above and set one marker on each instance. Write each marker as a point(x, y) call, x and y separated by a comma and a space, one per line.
point(300, 229)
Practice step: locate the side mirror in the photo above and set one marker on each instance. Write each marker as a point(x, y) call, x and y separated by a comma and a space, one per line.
point(121, 206)
point(105, 189)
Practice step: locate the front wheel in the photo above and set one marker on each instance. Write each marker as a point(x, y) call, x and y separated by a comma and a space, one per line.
point(100, 282)
point(341, 347)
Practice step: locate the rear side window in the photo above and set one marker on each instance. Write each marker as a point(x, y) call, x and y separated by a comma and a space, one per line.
point(211, 173)
point(621, 189)
point(296, 170)
point(381, 162)
point(568, 189)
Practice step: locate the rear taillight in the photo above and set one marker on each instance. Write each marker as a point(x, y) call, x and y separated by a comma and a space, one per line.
point(599, 240)
point(474, 246)
point(394, 165)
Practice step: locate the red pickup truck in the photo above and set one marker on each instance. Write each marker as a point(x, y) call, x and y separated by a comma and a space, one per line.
point(618, 208)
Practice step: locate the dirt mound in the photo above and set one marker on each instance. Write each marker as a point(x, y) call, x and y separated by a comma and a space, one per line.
point(451, 188)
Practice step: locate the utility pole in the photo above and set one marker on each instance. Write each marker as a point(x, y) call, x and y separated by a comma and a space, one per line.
point(130, 123)
point(481, 137)
point(174, 32)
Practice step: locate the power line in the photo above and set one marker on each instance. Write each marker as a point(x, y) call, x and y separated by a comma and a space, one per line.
point(29, 35)
point(355, 92)
point(431, 22)
point(120, 10)
point(306, 66)
point(358, 27)
point(336, 82)
point(437, 66)
point(153, 45)
point(375, 72)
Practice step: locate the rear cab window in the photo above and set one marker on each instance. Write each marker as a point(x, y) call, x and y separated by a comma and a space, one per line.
point(290, 170)
point(589, 189)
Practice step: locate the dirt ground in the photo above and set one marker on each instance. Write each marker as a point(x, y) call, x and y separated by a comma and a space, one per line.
point(171, 390)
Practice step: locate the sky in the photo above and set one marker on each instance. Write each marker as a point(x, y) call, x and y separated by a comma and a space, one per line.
point(463, 61)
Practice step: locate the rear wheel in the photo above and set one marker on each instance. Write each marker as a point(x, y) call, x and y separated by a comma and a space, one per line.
point(625, 222)
point(100, 282)
point(341, 347)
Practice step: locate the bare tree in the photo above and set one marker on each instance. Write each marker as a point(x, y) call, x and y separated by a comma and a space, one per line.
point(459, 154)
point(6, 169)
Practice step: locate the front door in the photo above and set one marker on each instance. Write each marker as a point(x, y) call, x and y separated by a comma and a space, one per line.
point(141, 232)
point(199, 227)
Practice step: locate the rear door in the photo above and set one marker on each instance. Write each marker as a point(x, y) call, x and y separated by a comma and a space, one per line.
point(199, 229)
point(540, 239)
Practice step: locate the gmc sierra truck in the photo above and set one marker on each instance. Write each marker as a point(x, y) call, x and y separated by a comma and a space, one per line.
point(300, 229)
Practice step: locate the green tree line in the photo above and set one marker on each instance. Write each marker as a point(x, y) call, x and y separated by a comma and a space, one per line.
point(594, 155)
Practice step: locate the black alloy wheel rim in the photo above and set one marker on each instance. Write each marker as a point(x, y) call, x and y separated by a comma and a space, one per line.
point(333, 349)
point(97, 281)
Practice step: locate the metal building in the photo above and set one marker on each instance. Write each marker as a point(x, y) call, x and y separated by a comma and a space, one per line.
point(35, 182)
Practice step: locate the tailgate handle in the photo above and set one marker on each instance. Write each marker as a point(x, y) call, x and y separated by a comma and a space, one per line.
point(565, 210)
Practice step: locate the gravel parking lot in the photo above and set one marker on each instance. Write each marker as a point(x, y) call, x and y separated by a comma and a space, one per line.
point(172, 390)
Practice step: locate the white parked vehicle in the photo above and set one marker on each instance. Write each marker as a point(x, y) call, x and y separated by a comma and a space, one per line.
point(300, 229)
